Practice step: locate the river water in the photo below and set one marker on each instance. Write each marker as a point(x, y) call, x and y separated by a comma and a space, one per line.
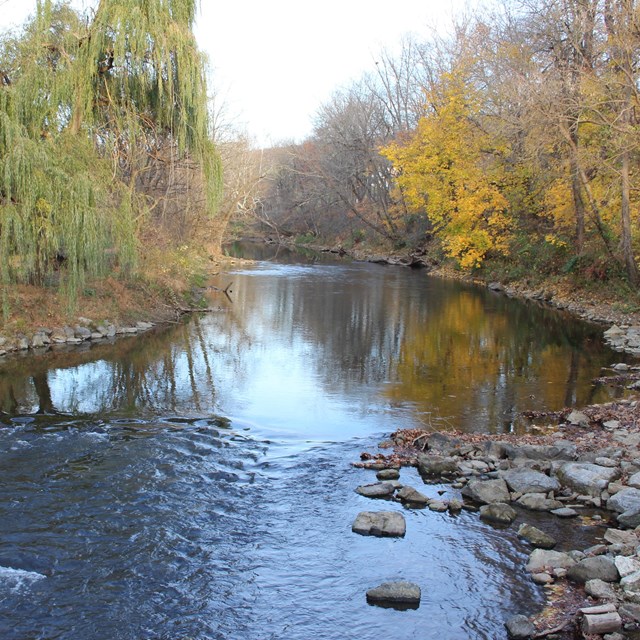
point(196, 482)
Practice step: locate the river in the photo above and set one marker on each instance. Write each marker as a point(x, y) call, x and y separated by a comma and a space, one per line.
point(196, 482)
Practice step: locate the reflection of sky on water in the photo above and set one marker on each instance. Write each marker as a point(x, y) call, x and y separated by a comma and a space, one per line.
point(331, 351)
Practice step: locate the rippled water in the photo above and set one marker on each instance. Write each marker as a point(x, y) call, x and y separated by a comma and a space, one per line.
point(130, 508)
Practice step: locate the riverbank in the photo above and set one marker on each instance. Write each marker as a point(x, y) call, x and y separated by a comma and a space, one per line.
point(40, 317)
point(583, 466)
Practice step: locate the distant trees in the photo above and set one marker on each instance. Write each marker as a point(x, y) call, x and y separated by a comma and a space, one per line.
point(514, 138)
point(103, 119)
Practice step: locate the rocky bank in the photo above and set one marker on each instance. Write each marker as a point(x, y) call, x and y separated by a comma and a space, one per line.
point(587, 467)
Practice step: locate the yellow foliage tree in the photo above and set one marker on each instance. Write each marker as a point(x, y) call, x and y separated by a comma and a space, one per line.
point(451, 170)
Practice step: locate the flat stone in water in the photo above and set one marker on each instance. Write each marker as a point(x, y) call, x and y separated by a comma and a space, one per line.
point(376, 490)
point(383, 524)
point(396, 594)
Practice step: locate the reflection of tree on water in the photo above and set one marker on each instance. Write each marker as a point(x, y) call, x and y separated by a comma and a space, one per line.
point(129, 375)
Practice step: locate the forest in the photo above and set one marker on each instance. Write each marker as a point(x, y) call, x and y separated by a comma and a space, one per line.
point(506, 145)
point(509, 145)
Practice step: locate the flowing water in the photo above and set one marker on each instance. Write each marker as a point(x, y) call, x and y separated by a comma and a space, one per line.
point(196, 482)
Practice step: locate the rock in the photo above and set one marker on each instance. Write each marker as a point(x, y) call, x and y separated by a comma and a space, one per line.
point(144, 326)
point(614, 331)
point(558, 451)
point(495, 286)
point(578, 419)
point(626, 565)
point(621, 367)
point(536, 537)
point(443, 445)
point(376, 490)
point(542, 578)
point(38, 340)
point(22, 343)
point(388, 474)
point(436, 466)
point(600, 589)
point(388, 524)
point(544, 559)
point(498, 512)
point(630, 610)
point(606, 462)
point(529, 481)
point(400, 593)
point(599, 567)
point(487, 491)
point(586, 478)
point(519, 627)
point(631, 586)
point(454, 506)
point(412, 496)
point(438, 505)
point(618, 536)
point(626, 503)
point(538, 502)
point(611, 425)
point(81, 332)
point(564, 512)
point(634, 480)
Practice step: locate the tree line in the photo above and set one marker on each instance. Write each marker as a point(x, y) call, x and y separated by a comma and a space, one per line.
point(514, 139)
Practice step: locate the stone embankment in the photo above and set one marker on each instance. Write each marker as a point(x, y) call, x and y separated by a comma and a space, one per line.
point(85, 330)
point(589, 467)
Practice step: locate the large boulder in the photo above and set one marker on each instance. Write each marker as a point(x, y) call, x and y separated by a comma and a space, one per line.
point(626, 503)
point(435, 466)
point(596, 568)
point(542, 559)
point(383, 524)
point(487, 491)
point(586, 478)
point(525, 480)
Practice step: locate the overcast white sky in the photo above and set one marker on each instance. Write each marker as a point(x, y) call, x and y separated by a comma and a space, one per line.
point(275, 62)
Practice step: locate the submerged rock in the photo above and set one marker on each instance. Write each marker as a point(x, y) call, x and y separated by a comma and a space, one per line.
point(519, 627)
point(383, 524)
point(498, 512)
point(536, 537)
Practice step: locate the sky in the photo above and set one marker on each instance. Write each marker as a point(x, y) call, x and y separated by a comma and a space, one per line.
point(274, 63)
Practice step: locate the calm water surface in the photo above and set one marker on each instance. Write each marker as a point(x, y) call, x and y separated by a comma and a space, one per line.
point(196, 482)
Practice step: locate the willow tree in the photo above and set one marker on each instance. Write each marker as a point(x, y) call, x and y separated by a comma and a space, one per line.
point(87, 107)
